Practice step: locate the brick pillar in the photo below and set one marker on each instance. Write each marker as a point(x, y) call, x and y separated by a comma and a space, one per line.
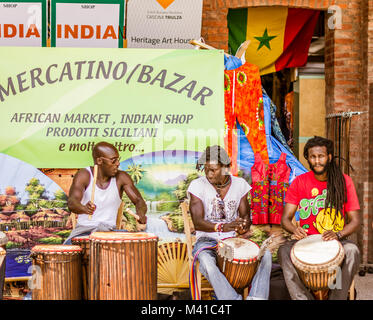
point(367, 11)
point(215, 24)
point(345, 91)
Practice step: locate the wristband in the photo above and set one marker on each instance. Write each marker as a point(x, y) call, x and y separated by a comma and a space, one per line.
point(218, 227)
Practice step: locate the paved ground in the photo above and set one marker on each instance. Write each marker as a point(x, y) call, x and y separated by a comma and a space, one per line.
point(364, 287)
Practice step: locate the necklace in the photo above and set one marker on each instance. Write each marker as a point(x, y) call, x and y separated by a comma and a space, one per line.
point(223, 185)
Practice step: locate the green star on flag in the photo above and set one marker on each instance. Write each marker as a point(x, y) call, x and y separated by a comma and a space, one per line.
point(264, 40)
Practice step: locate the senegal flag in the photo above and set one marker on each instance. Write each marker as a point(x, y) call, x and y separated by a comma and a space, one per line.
point(279, 36)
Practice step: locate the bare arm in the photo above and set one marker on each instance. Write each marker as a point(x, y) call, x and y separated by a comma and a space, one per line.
point(353, 225)
point(350, 228)
point(244, 214)
point(197, 211)
point(77, 189)
point(244, 208)
point(287, 224)
point(134, 195)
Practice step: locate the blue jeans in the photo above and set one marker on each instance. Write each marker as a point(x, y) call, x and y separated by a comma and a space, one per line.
point(223, 290)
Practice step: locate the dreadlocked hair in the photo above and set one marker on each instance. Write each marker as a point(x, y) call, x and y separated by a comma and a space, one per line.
point(216, 154)
point(336, 184)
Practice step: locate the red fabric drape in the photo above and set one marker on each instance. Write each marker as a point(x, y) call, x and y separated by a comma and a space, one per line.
point(244, 102)
point(269, 185)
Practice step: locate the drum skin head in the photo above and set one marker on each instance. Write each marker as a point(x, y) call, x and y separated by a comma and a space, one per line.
point(314, 250)
point(243, 249)
point(122, 236)
point(56, 248)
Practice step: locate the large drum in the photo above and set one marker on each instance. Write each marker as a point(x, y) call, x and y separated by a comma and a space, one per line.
point(123, 266)
point(83, 242)
point(58, 272)
point(2, 271)
point(317, 262)
point(238, 260)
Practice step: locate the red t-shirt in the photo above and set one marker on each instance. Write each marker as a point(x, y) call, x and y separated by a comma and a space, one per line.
point(310, 194)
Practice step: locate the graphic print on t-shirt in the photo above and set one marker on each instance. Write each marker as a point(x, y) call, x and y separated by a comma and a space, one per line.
point(221, 210)
point(313, 215)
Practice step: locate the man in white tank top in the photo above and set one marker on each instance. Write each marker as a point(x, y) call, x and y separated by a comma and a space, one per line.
point(110, 184)
point(220, 208)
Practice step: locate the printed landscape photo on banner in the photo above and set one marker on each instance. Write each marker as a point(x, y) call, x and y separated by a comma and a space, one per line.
point(33, 210)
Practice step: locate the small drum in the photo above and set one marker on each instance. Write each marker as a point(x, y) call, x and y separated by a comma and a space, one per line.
point(237, 259)
point(58, 272)
point(2, 271)
point(123, 266)
point(316, 262)
point(83, 242)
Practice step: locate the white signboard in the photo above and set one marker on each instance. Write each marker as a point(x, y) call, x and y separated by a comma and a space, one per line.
point(163, 23)
point(23, 23)
point(87, 24)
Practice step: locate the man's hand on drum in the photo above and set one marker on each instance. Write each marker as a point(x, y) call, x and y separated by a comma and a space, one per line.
point(329, 235)
point(142, 218)
point(230, 226)
point(299, 233)
point(90, 208)
point(243, 227)
point(245, 235)
point(239, 225)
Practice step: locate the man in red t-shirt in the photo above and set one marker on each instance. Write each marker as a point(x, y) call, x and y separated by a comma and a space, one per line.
point(311, 193)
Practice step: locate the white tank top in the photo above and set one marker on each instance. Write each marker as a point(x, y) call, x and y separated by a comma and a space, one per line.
point(107, 203)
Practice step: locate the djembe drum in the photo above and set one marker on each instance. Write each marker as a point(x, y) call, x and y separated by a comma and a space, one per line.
point(2, 271)
point(123, 266)
point(238, 260)
point(60, 267)
point(316, 262)
point(83, 242)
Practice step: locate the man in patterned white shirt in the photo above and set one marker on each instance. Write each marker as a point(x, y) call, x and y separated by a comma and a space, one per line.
point(220, 209)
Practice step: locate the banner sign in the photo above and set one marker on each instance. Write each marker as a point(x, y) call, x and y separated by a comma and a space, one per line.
point(163, 23)
point(57, 102)
point(87, 23)
point(23, 23)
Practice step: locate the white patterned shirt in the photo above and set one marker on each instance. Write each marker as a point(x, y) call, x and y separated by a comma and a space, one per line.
point(204, 190)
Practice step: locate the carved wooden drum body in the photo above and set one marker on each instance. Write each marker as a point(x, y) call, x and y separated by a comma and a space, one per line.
point(2, 270)
point(58, 272)
point(317, 261)
point(123, 266)
point(83, 242)
point(238, 260)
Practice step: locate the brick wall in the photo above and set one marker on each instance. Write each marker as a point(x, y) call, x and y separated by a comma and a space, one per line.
point(367, 13)
point(348, 77)
point(367, 102)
